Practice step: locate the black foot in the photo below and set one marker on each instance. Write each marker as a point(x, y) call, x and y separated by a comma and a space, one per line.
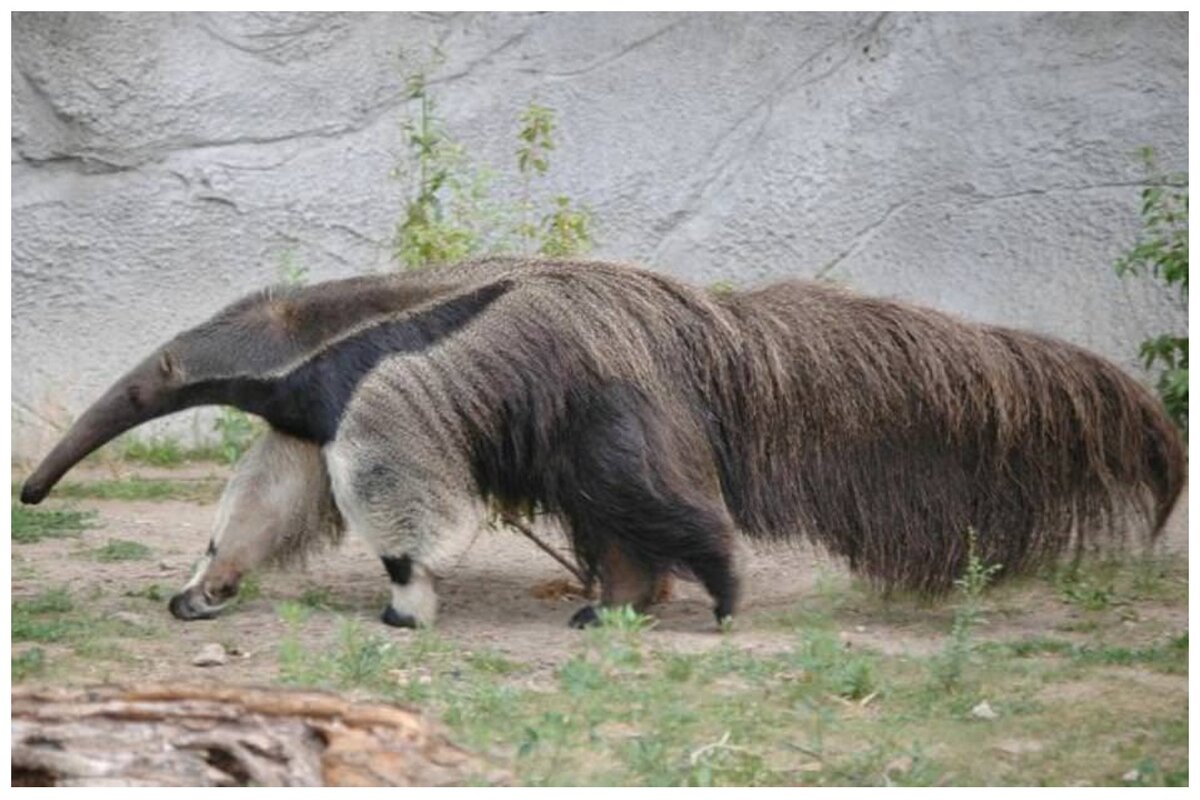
point(723, 611)
point(397, 620)
point(584, 618)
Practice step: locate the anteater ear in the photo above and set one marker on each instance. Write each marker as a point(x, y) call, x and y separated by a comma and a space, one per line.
point(168, 365)
point(284, 315)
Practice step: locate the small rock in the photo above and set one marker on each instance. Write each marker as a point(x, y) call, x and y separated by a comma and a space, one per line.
point(211, 655)
point(860, 628)
point(1018, 747)
point(984, 711)
point(1133, 776)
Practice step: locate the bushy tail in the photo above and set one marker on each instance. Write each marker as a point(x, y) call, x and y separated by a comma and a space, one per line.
point(883, 432)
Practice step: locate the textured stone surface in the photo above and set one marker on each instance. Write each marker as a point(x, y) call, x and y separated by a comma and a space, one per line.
point(165, 164)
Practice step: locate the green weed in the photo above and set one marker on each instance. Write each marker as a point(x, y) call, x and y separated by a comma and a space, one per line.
point(28, 664)
point(321, 598)
point(450, 213)
point(122, 550)
point(949, 668)
point(1161, 252)
point(33, 525)
point(237, 431)
point(153, 592)
point(43, 618)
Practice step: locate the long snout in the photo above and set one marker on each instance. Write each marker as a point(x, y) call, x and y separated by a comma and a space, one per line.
point(108, 418)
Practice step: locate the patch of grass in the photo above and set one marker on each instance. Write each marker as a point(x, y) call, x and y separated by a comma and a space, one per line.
point(1169, 656)
point(83, 639)
point(51, 601)
point(249, 589)
point(1099, 584)
point(1085, 592)
point(28, 664)
point(157, 451)
point(322, 599)
point(33, 525)
point(153, 592)
point(156, 489)
point(122, 550)
point(44, 617)
point(619, 711)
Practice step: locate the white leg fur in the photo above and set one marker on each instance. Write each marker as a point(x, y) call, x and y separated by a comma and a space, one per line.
point(433, 539)
point(417, 598)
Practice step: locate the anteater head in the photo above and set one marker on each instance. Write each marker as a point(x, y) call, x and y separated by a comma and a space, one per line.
point(235, 359)
point(242, 340)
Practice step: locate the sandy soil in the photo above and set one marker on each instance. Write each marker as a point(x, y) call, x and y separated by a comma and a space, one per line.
point(493, 600)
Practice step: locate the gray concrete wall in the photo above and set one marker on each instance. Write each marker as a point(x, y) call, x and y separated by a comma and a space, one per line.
point(163, 165)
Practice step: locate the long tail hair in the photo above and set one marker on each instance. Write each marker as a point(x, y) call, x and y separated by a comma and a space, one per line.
point(879, 430)
point(885, 431)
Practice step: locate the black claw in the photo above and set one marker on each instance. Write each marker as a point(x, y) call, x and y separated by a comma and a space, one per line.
point(584, 618)
point(397, 620)
point(181, 608)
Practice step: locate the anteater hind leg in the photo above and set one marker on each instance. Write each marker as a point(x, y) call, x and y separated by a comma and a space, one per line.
point(643, 498)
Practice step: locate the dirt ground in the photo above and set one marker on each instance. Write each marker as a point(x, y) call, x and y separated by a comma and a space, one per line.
point(492, 600)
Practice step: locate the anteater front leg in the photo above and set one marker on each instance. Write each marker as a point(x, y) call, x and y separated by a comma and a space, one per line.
point(276, 508)
point(417, 520)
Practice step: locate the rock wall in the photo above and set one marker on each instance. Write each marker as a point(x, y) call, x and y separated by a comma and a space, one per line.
point(164, 164)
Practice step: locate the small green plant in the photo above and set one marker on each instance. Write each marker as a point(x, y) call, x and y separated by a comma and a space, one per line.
point(624, 619)
point(1079, 590)
point(321, 599)
point(951, 664)
point(155, 451)
point(44, 617)
point(292, 273)
point(831, 667)
point(564, 230)
point(237, 430)
point(28, 664)
point(451, 215)
point(722, 289)
point(122, 550)
point(33, 525)
point(442, 217)
point(153, 592)
point(1161, 251)
point(250, 588)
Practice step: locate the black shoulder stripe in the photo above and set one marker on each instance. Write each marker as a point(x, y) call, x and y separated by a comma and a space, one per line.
point(309, 401)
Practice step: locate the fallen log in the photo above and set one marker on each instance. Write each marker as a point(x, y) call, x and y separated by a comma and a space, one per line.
point(228, 736)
